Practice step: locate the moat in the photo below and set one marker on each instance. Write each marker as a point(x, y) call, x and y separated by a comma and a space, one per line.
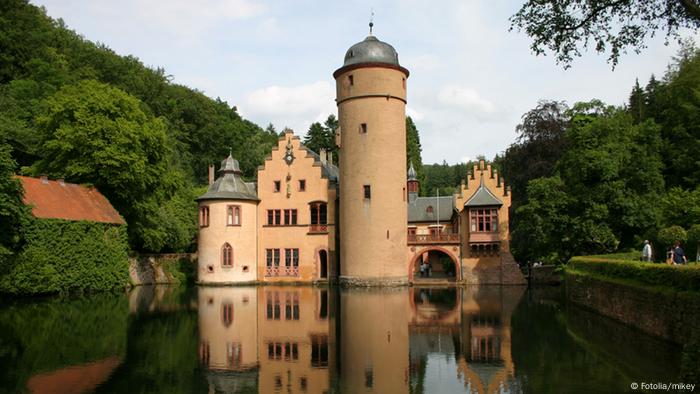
point(306, 339)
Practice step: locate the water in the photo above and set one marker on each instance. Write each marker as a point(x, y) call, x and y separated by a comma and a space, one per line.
point(313, 340)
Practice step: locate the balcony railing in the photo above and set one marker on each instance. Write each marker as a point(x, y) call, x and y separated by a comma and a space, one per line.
point(318, 228)
point(272, 271)
point(445, 238)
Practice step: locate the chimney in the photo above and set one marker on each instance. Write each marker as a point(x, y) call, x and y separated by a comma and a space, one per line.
point(211, 174)
point(330, 158)
point(61, 181)
point(44, 179)
point(323, 155)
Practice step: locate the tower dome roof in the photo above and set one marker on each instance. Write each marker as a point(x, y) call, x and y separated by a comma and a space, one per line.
point(412, 175)
point(371, 50)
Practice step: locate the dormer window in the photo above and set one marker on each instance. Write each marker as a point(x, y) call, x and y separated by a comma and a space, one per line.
point(429, 209)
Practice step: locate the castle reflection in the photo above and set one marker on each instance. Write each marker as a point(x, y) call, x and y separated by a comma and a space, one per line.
point(311, 340)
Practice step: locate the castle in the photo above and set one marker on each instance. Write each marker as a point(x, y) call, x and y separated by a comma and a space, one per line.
point(362, 222)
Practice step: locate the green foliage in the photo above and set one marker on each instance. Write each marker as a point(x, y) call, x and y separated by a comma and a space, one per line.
point(13, 213)
point(48, 335)
point(99, 135)
point(678, 278)
point(68, 256)
point(667, 236)
point(413, 150)
point(178, 131)
point(322, 136)
point(568, 27)
point(540, 144)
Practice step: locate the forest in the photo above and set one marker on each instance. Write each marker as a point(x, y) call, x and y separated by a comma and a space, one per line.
point(587, 178)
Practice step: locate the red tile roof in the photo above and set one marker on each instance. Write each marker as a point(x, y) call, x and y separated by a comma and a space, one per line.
point(68, 201)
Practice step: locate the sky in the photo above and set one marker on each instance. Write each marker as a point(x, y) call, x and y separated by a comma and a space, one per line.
point(471, 79)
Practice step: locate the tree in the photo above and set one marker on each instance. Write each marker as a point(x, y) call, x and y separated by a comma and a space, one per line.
point(567, 27)
point(413, 150)
point(99, 135)
point(637, 103)
point(13, 213)
point(322, 136)
point(668, 235)
point(540, 144)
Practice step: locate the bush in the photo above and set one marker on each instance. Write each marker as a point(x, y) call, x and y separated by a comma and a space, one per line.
point(68, 256)
point(682, 278)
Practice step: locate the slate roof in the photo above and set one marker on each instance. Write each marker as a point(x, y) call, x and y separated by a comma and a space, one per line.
point(417, 210)
point(482, 197)
point(67, 201)
point(412, 175)
point(328, 170)
point(229, 186)
point(371, 50)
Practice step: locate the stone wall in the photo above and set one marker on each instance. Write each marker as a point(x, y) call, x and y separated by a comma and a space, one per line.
point(672, 315)
point(153, 269)
point(545, 275)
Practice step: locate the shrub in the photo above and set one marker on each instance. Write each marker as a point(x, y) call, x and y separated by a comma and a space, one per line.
point(683, 278)
point(68, 256)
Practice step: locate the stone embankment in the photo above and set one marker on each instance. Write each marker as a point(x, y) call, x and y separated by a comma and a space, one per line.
point(151, 269)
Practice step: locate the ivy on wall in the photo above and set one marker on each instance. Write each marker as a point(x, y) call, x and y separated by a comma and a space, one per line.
point(68, 256)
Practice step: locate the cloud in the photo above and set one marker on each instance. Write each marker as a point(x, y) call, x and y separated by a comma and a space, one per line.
point(467, 99)
point(293, 106)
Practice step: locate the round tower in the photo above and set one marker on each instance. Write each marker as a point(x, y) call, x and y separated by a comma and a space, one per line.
point(227, 229)
point(371, 99)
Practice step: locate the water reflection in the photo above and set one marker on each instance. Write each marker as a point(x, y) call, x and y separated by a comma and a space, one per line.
point(271, 339)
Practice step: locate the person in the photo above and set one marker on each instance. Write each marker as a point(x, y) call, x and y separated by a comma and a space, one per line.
point(678, 254)
point(423, 268)
point(646, 251)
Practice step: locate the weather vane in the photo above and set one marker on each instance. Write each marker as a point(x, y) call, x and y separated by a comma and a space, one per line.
point(371, 21)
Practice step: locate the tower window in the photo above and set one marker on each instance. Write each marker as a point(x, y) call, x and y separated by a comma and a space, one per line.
point(351, 79)
point(403, 82)
point(233, 215)
point(277, 186)
point(204, 217)
point(227, 255)
point(363, 128)
point(367, 192)
point(302, 185)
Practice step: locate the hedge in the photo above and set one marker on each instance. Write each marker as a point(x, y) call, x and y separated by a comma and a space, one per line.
point(683, 278)
point(63, 256)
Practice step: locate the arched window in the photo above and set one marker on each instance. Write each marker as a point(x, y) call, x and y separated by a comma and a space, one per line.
point(227, 255)
point(233, 215)
point(227, 314)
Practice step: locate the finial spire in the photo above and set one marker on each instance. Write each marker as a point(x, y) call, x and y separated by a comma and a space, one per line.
point(371, 21)
point(230, 151)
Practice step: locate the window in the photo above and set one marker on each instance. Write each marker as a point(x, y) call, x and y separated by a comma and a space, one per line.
point(291, 306)
point(319, 213)
point(367, 192)
point(319, 351)
point(411, 231)
point(351, 79)
point(233, 215)
point(484, 220)
point(323, 305)
point(363, 128)
point(227, 314)
point(277, 187)
point(274, 217)
point(290, 217)
point(434, 231)
point(273, 257)
point(227, 255)
point(233, 354)
point(204, 217)
point(403, 82)
point(302, 185)
point(429, 209)
point(273, 306)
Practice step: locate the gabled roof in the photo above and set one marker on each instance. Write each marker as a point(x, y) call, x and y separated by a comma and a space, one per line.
point(67, 201)
point(482, 197)
point(418, 209)
point(328, 170)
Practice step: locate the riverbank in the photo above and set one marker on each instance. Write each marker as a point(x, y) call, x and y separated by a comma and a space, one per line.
point(660, 300)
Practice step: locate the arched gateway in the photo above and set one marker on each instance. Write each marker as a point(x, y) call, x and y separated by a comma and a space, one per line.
point(443, 264)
